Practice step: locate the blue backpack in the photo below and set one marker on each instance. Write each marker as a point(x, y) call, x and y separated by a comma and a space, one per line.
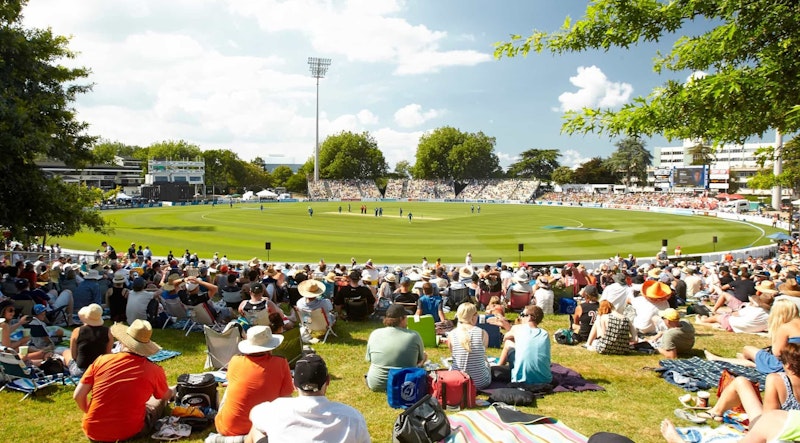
point(406, 386)
point(567, 305)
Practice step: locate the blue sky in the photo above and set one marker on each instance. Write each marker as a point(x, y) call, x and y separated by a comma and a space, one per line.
point(233, 73)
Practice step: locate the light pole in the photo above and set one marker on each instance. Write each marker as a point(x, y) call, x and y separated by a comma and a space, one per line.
point(318, 67)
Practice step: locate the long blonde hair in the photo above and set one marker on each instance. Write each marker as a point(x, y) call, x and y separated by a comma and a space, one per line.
point(465, 313)
point(783, 311)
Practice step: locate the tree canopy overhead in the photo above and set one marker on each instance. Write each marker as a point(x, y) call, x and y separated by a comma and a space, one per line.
point(37, 120)
point(746, 64)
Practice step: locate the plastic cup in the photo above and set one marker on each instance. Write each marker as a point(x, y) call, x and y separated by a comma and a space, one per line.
point(23, 351)
point(702, 399)
point(26, 332)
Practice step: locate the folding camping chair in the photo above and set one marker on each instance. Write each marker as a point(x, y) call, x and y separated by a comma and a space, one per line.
point(518, 300)
point(222, 346)
point(316, 322)
point(40, 332)
point(174, 308)
point(200, 314)
point(456, 297)
point(19, 377)
point(292, 346)
point(484, 296)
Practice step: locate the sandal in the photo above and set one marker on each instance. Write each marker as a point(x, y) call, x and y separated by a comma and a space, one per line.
point(708, 415)
point(689, 416)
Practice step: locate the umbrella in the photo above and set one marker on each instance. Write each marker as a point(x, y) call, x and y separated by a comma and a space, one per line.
point(780, 236)
point(721, 196)
point(735, 197)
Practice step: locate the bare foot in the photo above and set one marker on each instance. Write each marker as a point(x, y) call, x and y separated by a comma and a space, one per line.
point(669, 432)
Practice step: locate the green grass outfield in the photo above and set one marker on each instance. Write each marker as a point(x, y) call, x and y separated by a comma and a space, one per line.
point(437, 230)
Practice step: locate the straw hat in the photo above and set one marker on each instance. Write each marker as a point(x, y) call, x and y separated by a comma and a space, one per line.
point(391, 278)
point(91, 315)
point(654, 273)
point(136, 337)
point(790, 288)
point(93, 275)
point(767, 287)
point(254, 263)
point(170, 284)
point(465, 272)
point(654, 290)
point(260, 339)
point(119, 278)
point(311, 288)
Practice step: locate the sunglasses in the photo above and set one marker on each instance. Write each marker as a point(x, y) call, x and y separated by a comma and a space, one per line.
point(524, 315)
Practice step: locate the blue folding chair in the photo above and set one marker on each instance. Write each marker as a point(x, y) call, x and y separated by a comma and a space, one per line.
point(21, 378)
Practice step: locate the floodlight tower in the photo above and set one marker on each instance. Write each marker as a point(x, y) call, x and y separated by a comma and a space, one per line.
point(318, 67)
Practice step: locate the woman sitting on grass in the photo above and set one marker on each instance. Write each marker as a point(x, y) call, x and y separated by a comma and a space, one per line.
point(784, 327)
point(612, 332)
point(468, 345)
point(780, 392)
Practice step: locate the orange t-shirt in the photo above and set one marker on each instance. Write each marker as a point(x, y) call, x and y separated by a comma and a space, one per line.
point(251, 381)
point(121, 385)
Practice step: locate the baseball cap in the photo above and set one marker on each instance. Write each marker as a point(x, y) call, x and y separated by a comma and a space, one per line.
point(670, 314)
point(396, 311)
point(38, 309)
point(310, 373)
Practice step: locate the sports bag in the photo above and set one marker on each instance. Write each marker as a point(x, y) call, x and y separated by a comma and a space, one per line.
point(406, 386)
point(452, 388)
point(422, 422)
point(567, 305)
point(565, 337)
point(198, 390)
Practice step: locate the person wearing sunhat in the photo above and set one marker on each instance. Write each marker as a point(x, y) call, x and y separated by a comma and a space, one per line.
point(312, 291)
point(393, 346)
point(678, 338)
point(652, 300)
point(88, 291)
point(310, 416)
point(254, 377)
point(88, 341)
point(790, 289)
point(128, 391)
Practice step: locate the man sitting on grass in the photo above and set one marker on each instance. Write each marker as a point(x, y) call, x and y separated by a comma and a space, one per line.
point(393, 346)
point(677, 339)
point(310, 416)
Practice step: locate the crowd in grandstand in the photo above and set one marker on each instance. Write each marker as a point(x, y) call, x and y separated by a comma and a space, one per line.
point(491, 189)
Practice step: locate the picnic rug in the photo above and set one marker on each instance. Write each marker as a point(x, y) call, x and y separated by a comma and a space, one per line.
point(163, 355)
point(564, 380)
point(695, 374)
point(486, 425)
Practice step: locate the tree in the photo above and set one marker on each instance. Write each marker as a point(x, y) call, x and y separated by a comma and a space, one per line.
point(402, 169)
point(746, 66)
point(790, 174)
point(702, 154)
point(448, 153)
point(536, 163)
point(563, 175)
point(281, 174)
point(594, 171)
point(630, 159)
point(347, 155)
point(37, 121)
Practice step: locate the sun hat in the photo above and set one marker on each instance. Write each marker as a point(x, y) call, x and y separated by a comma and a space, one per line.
point(170, 284)
point(765, 300)
point(413, 276)
point(521, 277)
point(119, 278)
point(260, 339)
point(465, 272)
point(310, 373)
point(330, 277)
point(396, 311)
point(654, 273)
point(442, 283)
point(311, 288)
point(254, 262)
point(426, 274)
point(790, 288)
point(766, 287)
point(655, 290)
point(91, 315)
point(670, 314)
point(619, 278)
point(93, 275)
point(136, 337)
point(38, 309)
point(391, 278)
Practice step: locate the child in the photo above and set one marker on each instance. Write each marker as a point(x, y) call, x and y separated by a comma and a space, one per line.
point(495, 306)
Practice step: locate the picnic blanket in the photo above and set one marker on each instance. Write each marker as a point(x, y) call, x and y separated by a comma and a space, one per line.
point(564, 380)
point(163, 355)
point(695, 374)
point(485, 425)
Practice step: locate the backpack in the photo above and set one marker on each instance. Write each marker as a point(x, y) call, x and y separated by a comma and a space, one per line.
point(198, 390)
point(565, 337)
point(452, 388)
point(406, 386)
point(567, 305)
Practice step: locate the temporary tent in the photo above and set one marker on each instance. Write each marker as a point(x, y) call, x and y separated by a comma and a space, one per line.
point(247, 195)
point(266, 193)
point(123, 196)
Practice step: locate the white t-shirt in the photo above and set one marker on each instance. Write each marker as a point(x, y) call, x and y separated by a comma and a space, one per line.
point(309, 418)
point(618, 296)
point(750, 319)
point(647, 319)
point(137, 305)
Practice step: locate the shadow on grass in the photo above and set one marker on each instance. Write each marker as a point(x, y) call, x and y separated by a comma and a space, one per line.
point(177, 228)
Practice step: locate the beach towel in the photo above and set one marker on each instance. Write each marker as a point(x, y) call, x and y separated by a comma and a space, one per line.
point(564, 380)
point(695, 374)
point(163, 355)
point(486, 425)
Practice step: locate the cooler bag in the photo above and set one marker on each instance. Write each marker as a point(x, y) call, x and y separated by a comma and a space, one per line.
point(567, 305)
point(406, 386)
point(452, 388)
point(198, 390)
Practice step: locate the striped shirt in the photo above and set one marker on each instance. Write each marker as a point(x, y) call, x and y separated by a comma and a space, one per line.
point(473, 362)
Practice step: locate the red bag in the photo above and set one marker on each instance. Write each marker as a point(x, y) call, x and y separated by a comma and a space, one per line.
point(725, 380)
point(452, 388)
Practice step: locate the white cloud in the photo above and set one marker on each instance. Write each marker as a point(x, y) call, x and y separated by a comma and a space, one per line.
point(696, 75)
point(507, 159)
point(412, 115)
point(572, 158)
point(366, 117)
point(594, 90)
point(362, 31)
point(397, 145)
